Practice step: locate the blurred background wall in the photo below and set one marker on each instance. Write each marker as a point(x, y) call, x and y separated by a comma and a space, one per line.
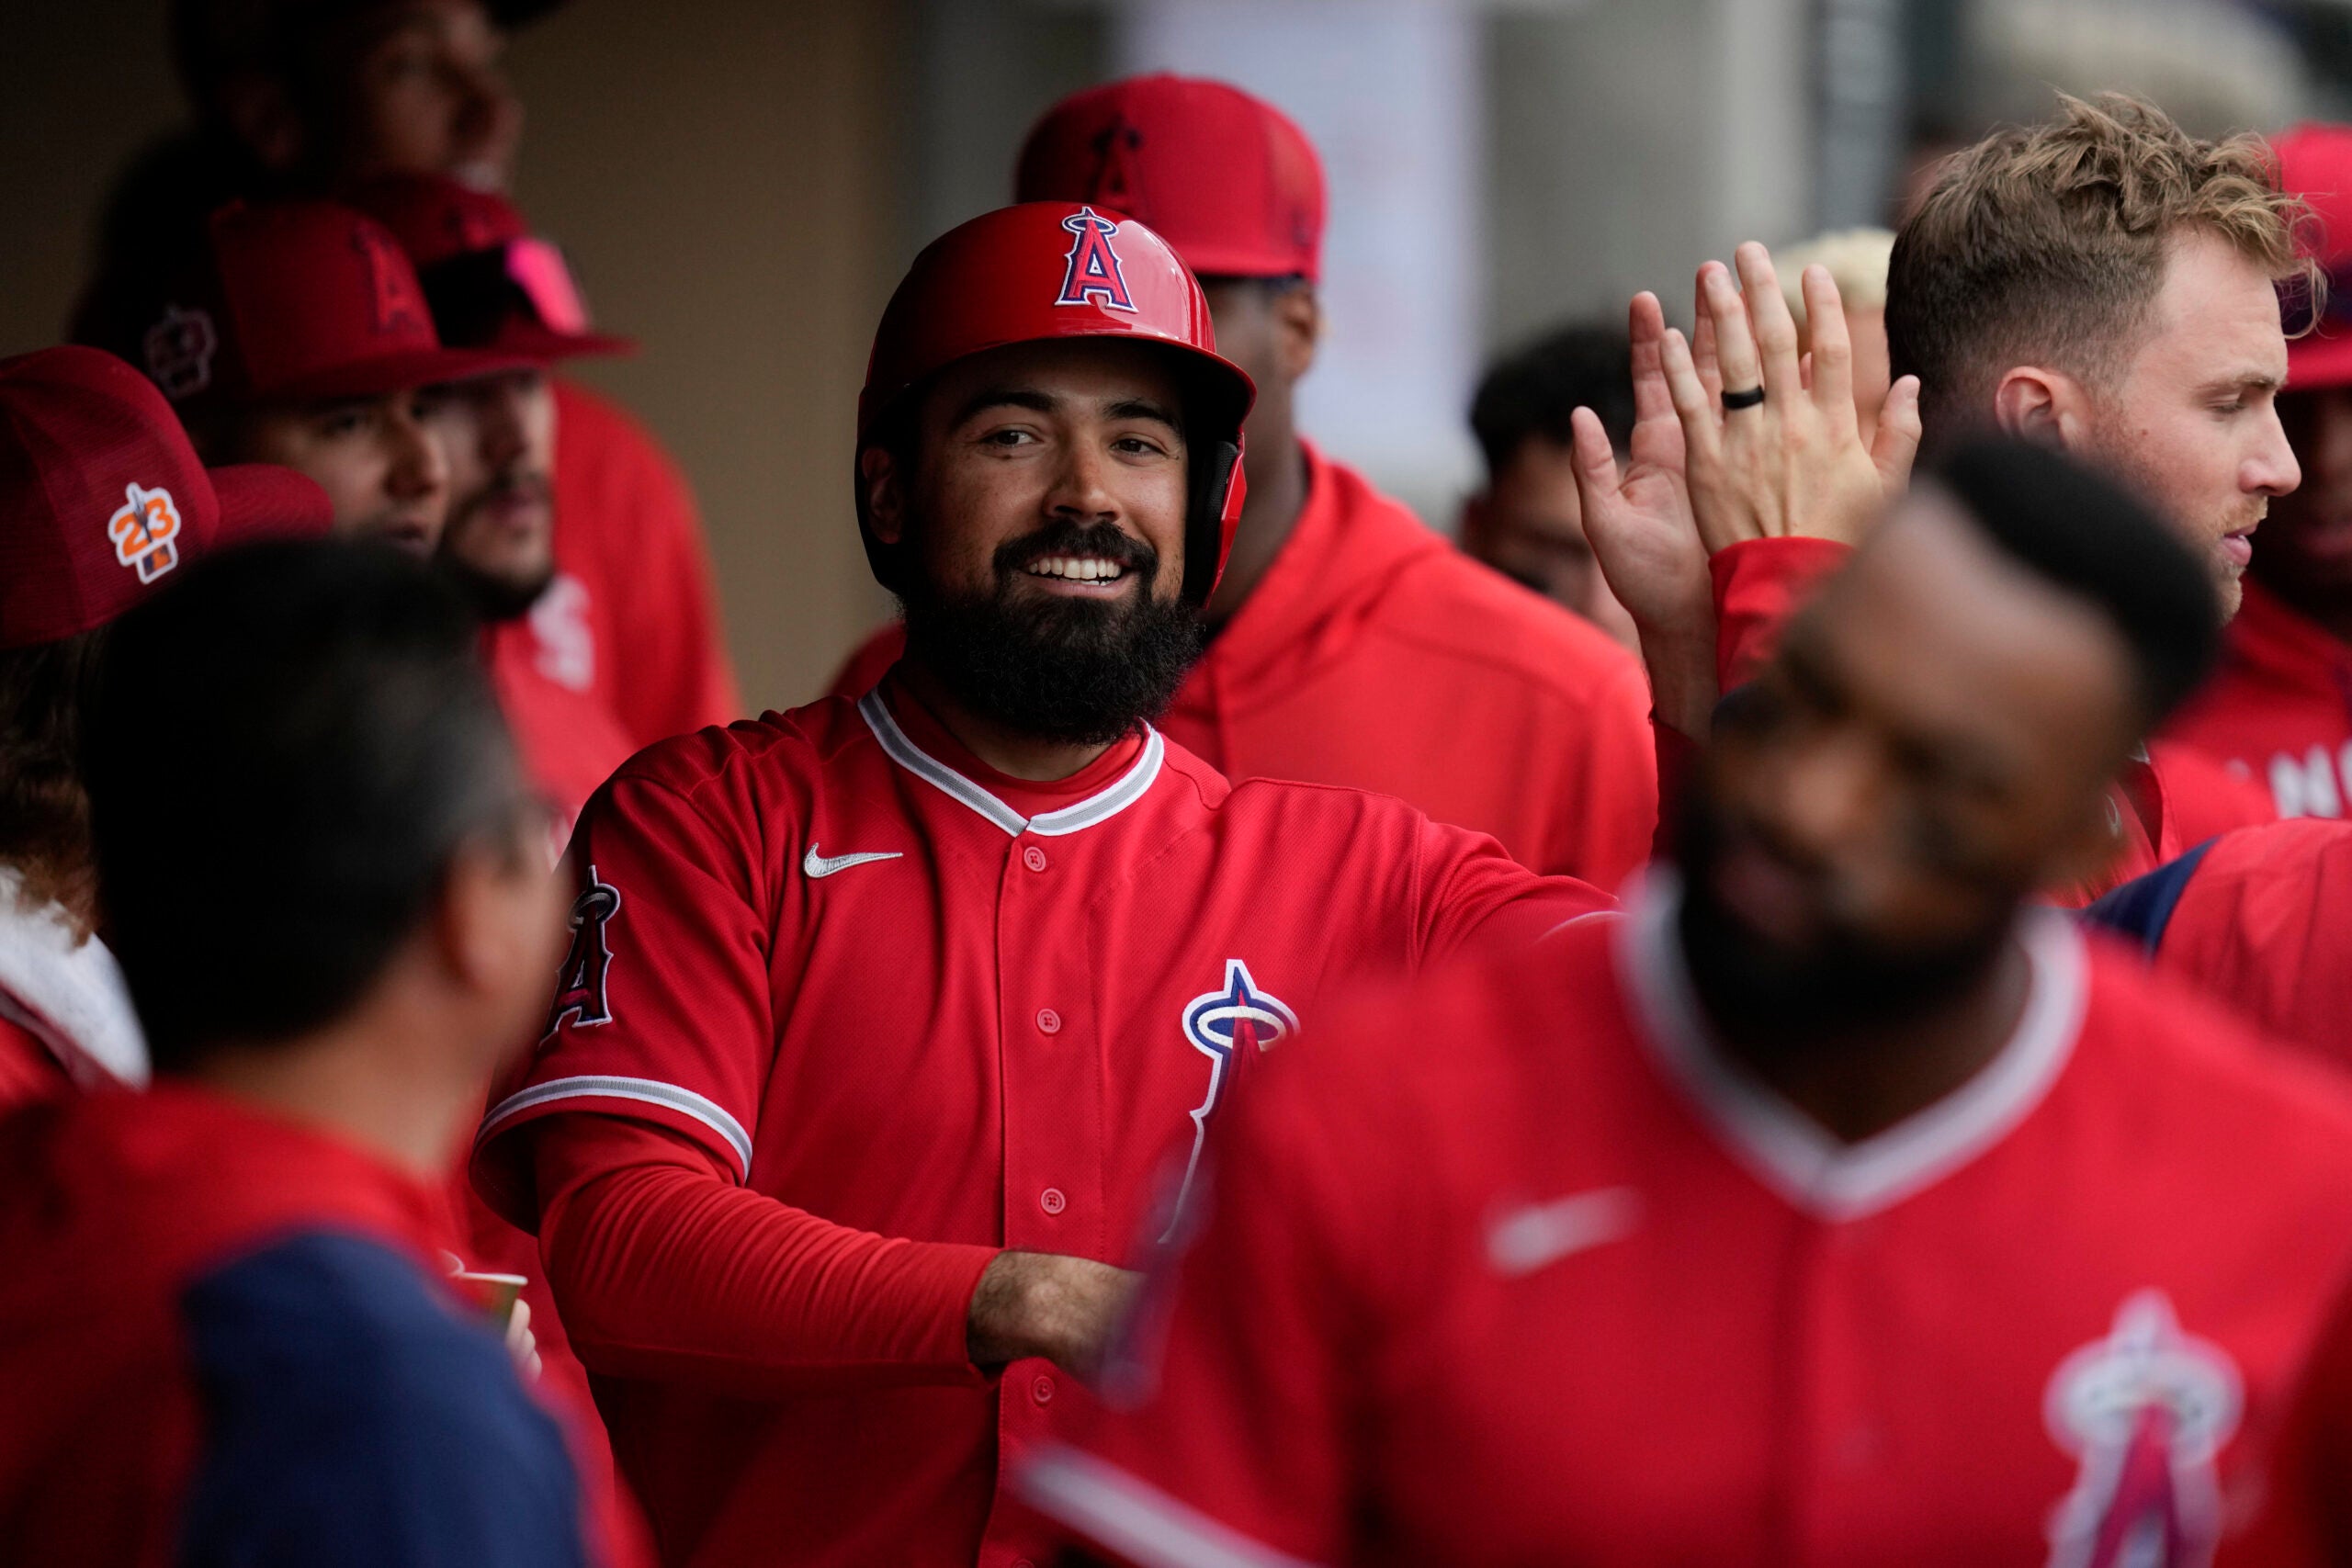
point(739, 182)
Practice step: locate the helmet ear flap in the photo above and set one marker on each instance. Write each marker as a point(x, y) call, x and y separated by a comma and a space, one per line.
point(1218, 489)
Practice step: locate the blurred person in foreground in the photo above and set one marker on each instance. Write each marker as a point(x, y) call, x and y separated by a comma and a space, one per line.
point(311, 97)
point(1836, 1205)
point(891, 1026)
point(230, 1337)
point(1856, 262)
point(295, 332)
point(1526, 522)
point(2279, 709)
point(1348, 642)
point(102, 502)
point(494, 286)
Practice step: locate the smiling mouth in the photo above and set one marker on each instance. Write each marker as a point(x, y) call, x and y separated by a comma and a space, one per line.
point(1091, 571)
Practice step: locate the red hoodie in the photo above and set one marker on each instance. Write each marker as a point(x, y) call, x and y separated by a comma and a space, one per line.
point(1376, 655)
point(2279, 709)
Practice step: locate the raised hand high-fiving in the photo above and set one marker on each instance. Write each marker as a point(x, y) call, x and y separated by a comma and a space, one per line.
point(1793, 462)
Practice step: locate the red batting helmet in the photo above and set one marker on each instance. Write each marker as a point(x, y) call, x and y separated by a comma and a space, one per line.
point(1056, 269)
point(2315, 163)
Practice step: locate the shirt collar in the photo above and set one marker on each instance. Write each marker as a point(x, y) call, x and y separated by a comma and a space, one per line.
point(1050, 808)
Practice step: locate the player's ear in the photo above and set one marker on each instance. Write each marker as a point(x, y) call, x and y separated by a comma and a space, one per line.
point(1298, 327)
point(2045, 406)
point(886, 501)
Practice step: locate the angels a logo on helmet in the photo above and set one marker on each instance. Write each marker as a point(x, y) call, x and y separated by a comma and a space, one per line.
point(2147, 1411)
point(1229, 1026)
point(179, 349)
point(579, 984)
point(1090, 273)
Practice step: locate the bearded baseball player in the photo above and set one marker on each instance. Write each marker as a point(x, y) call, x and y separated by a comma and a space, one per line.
point(1835, 1206)
point(1350, 643)
point(888, 1023)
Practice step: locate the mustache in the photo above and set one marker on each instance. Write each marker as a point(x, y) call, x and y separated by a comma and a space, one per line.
point(522, 484)
point(1100, 540)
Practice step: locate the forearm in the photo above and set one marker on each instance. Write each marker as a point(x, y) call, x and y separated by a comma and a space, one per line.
point(671, 1273)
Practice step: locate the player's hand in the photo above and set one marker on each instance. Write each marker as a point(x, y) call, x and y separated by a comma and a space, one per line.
point(1643, 533)
point(521, 1343)
point(1795, 465)
point(1042, 1303)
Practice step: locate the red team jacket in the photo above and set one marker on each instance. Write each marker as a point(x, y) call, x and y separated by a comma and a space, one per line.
point(225, 1338)
point(2262, 920)
point(1375, 655)
point(846, 1012)
point(2279, 709)
point(2166, 802)
point(1572, 1289)
point(627, 535)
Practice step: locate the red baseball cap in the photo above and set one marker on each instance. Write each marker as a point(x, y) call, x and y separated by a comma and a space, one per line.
point(300, 300)
point(101, 497)
point(1225, 178)
point(491, 282)
point(2315, 163)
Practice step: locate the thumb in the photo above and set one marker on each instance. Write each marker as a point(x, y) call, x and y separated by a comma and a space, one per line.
point(1896, 443)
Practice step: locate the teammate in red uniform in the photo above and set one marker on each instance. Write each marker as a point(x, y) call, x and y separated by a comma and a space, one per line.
point(2259, 918)
point(2106, 282)
point(102, 502)
point(880, 1015)
point(230, 1338)
point(1352, 644)
point(555, 663)
point(297, 333)
point(2279, 709)
point(298, 97)
point(1836, 1207)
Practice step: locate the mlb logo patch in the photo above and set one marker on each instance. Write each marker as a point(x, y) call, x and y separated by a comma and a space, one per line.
point(142, 530)
point(1090, 274)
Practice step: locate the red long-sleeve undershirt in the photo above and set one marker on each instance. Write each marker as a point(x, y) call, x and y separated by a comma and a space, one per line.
point(666, 1270)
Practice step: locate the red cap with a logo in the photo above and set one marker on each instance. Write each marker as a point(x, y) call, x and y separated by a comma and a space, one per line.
point(101, 497)
point(2315, 163)
point(491, 283)
point(300, 300)
point(1225, 178)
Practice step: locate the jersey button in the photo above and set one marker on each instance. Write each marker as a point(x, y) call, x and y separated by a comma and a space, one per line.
point(1034, 858)
point(1048, 1020)
point(1041, 1389)
point(1052, 1201)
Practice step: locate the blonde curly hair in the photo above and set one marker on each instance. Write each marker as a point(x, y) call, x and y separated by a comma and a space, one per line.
point(2047, 244)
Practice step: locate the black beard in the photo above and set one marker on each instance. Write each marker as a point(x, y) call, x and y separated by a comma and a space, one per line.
point(1757, 990)
point(1082, 671)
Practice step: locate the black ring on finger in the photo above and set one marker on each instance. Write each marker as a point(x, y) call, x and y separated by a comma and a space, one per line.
point(1747, 400)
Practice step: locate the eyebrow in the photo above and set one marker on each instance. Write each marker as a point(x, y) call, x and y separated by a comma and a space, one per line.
point(2248, 381)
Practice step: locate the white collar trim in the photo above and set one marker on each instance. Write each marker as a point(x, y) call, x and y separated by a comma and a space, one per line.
point(1100, 806)
point(67, 991)
point(1793, 1154)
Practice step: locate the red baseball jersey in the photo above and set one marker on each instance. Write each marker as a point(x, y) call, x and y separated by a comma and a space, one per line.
point(2280, 708)
point(2166, 801)
point(1375, 655)
point(1571, 1288)
point(635, 578)
point(891, 1011)
point(2262, 920)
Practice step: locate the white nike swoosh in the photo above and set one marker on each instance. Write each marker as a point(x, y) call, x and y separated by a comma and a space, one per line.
point(1542, 1234)
point(816, 864)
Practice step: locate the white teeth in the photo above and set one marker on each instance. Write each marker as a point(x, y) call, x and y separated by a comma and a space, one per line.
point(1076, 569)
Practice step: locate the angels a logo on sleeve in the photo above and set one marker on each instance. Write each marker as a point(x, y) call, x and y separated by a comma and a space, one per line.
point(144, 528)
point(579, 984)
point(1230, 1027)
point(2147, 1411)
point(1092, 271)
